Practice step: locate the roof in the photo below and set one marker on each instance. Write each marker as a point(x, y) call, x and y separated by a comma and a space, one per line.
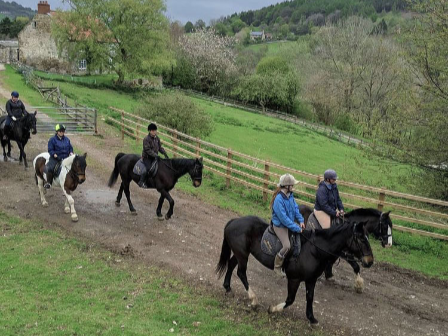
point(256, 33)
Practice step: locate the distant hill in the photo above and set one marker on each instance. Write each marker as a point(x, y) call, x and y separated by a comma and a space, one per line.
point(13, 9)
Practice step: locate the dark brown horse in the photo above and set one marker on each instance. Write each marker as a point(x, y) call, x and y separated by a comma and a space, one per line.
point(377, 223)
point(169, 172)
point(243, 236)
point(21, 134)
point(73, 172)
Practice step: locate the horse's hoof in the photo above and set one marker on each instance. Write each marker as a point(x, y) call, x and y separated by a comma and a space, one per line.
point(160, 218)
point(230, 293)
point(117, 203)
point(74, 218)
point(254, 306)
point(134, 213)
point(167, 217)
point(45, 205)
point(314, 323)
point(271, 309)
point(67, 210)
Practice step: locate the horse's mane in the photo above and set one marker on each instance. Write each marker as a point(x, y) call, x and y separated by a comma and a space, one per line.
point(68, 161)
point(364, 212)
point(327, 233)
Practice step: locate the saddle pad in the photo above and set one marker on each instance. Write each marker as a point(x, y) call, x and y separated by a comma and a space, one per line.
point(57, 169)
point(312, 223)
point(270, 244)
point(140, 168)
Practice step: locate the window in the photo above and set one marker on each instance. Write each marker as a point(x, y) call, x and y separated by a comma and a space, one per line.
point(82, 65)
point(34, 24)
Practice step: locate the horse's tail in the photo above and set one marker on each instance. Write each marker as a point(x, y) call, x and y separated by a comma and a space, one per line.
point(114, 176)
point(224, 258)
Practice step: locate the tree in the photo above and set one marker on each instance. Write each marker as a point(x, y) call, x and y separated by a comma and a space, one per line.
point(130, 35)
point(212, 57)
point(189, 28)
point(200, 24)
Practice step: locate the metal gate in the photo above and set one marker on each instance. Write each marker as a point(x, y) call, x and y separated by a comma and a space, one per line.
point(75, 119)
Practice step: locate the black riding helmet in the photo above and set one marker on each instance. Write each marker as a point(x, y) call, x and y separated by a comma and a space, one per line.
point(152, 127)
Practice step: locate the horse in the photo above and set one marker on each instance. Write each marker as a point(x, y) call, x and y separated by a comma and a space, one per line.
point(169, 171)
point(20, 134)
point(243, 236)
point(73, 172)
point(378, 223)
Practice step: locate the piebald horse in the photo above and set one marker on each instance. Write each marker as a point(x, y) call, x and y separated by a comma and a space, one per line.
point(73, 172)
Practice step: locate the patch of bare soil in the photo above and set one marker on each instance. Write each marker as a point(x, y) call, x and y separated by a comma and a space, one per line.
point(394, 302)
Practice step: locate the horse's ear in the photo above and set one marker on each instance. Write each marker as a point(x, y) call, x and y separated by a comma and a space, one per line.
point(387, 213)
point(85, 155)
point(35, 112)
point(200, 160)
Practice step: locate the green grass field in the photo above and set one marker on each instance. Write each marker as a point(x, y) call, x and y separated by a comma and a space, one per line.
point(281, 142)
point(55, 285)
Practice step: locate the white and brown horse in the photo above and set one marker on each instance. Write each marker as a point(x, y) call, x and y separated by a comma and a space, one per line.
point(73, 172)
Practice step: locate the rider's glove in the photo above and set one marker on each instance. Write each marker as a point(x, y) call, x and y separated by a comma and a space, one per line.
point(14, 118)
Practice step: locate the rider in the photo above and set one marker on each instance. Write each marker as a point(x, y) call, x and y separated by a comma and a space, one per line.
point(284, 211)
point(328, 203)
point(16, 110)
point(60, 148)
point(151, 149)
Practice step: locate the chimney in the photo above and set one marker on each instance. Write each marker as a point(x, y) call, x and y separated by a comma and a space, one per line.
point(43, 7)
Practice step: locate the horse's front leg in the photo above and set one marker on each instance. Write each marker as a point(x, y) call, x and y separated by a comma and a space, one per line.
point(310, 285)
point(359, 282)
point(293, 286)
point(71, 204)
point(5, 158)
point(167, 195)
point(159, 207)
point(22, 154)
point(40, 185)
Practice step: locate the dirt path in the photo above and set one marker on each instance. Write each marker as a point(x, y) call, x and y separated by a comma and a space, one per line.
point(394, 302)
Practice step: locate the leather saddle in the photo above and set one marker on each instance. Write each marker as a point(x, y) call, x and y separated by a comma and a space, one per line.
point(313, 224)
point(271, 245)
point(140, 168)
point(57, 169)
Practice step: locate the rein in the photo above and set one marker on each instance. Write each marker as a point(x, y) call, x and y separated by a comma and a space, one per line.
point(346, 256)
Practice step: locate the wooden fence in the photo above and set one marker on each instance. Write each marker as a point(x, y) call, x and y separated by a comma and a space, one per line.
point(261, 175)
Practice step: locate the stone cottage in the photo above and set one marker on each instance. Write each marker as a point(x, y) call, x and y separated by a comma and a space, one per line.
point(37, 48)
point(9, 51)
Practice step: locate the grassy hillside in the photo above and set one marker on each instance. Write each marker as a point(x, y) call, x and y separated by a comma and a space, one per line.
point(280, 142)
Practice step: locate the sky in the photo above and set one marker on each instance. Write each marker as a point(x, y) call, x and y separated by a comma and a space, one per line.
point(185, 10)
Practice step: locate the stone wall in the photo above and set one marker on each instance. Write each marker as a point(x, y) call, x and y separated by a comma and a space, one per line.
point(36, 46)
point(8, 51)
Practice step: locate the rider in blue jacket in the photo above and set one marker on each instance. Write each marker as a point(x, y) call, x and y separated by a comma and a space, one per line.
point(284, 211)
point(59, 148)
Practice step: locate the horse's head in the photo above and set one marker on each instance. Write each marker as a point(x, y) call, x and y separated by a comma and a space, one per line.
point(384, 232)
point(79, 166)
point(196, 172)
point(359, 244)
point(29, 121)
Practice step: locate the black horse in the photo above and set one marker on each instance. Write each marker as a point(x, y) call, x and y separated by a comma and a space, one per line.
point(170, 170)
point(377, 223)
point(21, 134)
point(243, 236)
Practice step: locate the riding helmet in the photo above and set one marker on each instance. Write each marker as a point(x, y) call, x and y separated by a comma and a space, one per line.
point(59, 127)
point(330, 174)
point(152, 127)
point(15, 94)
point(287, 180)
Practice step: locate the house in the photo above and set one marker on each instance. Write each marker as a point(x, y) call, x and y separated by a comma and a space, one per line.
point(254, 36)
point(9, 51)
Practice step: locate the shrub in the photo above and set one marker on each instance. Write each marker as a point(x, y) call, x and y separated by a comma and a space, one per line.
point(177, 111)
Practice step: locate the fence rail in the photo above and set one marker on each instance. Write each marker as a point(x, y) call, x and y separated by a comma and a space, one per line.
point(261, 175)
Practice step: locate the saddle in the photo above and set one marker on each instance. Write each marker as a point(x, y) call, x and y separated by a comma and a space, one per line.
point(57, 169)
point(313, 224)
point(271, 245)
point(140, 168)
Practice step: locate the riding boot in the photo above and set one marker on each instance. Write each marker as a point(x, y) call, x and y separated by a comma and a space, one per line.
point(49, 181)
point(142, 182)
point(278, 263)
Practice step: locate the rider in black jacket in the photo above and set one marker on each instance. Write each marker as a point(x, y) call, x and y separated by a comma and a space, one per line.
point(16, 110)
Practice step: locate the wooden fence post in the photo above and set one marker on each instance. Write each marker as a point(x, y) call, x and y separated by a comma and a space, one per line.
point(318, 180)
point(266, 183)
point(95, 121)
point(229, 166)
point(136, 134)
point(122, 125)
point(382, 198)
point(175, 144)
point(198, 147)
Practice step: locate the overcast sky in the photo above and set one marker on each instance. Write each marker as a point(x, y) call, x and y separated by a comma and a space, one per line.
point(185, 10)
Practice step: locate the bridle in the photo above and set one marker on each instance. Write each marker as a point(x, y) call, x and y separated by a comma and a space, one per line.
point(383, 236)
point(76, 175)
